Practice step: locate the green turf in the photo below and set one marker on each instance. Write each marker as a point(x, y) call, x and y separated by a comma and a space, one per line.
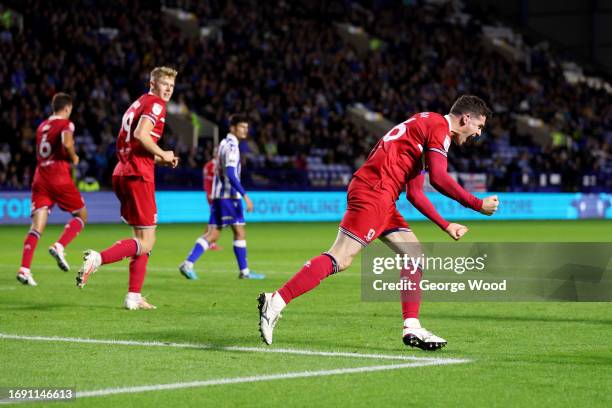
point(522, 354)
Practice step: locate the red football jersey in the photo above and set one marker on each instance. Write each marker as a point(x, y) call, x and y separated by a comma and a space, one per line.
point(208, 173)
point(398, 156)
point(52, 157)
point(134, 160)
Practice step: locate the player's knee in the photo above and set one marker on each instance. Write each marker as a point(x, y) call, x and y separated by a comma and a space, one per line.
point(212, 236)
point(82, 214)
point(146, 244)
point(344, 261)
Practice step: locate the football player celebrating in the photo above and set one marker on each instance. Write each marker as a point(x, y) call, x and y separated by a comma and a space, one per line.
point(397, 160)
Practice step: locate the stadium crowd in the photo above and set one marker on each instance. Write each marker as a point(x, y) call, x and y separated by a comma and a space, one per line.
point(285, 65)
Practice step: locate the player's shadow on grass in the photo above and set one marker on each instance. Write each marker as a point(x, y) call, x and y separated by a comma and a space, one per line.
point(194, 336)
point(213, 341)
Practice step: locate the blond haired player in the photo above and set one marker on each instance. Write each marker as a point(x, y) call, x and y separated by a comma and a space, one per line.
point(134, 184)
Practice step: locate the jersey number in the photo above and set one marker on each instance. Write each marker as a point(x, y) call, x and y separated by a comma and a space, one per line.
point(44, 149)
point(126, 124)
point(397, 131)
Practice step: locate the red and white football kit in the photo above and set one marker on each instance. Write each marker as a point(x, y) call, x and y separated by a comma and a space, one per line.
point(134, 176)
point(52, 182)
point(397, 161)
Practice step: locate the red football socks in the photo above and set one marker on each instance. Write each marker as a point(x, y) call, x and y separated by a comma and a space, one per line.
point(29, 246)
point(309, 277)
point(411, 299)
point(119, 250)
point(71, 230)
point(138, 270)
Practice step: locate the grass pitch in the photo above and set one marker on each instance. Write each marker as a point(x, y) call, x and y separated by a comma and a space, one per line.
point(520, 354)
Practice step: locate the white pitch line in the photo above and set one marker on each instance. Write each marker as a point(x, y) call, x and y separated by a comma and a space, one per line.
point(259, 378)
point(416, 362)
point(229, 348)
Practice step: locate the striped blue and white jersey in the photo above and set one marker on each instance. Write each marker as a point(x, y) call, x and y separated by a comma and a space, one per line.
point(228, 155)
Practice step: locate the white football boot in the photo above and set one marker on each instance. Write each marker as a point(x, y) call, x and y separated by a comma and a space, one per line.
point(416, 336)
point(134, 301)
point(57, 251)
point(91, 262)
point(25, 276)
point(270, 307)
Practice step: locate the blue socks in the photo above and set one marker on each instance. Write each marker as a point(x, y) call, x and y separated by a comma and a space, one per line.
point(200, 246)
point(240, 250)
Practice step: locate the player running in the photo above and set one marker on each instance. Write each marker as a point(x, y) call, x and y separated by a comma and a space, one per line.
point(53, 185)
point(134, 185)
point(397, 160)
point(226, 210)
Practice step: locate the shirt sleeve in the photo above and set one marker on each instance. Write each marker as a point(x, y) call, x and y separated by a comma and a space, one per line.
point(69, 127)
point(416, 196)
point(232, 155)
point(439, 140)
point(441, 181)
point(154, 111)
point(234, 181)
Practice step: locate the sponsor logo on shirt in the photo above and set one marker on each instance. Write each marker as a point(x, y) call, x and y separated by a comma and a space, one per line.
point(157, 108)
point(370, 235)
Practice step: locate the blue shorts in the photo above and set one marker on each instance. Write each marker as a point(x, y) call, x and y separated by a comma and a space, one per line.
point(226, 211)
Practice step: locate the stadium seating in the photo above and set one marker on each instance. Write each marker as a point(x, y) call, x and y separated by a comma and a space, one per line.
point(296, 85)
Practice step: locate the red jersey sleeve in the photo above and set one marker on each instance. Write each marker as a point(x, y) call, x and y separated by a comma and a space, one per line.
point(441, 181)
point(154, 111)
point(69, 127)
point(439, 140)
point(416, 196)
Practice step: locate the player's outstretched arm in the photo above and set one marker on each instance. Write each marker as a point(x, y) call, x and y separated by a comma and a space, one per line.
point(441, 181)
point(143, 135)
point(416, 196)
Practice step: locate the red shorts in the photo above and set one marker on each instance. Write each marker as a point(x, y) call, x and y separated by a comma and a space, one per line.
point(63, 193)
point(370, 213)
point(137, 198)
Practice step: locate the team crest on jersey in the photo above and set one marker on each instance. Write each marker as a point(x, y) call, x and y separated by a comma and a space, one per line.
point(447, 142)
point(157, 108)
point(370, 235)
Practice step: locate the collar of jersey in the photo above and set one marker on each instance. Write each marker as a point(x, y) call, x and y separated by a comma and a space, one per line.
point(232, 137)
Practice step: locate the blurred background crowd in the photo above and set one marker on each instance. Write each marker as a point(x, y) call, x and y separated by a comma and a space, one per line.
point(286, 66)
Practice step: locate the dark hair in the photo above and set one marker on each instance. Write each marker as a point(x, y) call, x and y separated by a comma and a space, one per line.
point(238, 118)
point(60, 101)
point(470, 104)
